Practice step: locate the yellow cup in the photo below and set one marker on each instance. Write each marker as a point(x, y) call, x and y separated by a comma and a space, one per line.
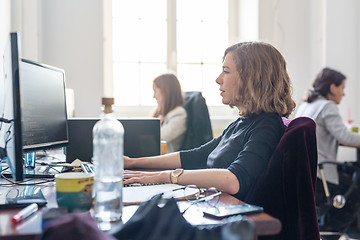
point(74, 190)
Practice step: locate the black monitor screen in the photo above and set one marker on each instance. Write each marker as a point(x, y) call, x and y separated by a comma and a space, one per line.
point(43, 106)
point(10, 119)
point(141, 137)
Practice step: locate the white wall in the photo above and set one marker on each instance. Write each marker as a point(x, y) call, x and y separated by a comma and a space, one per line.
point(293, 28)
point(342, 49)
point(72, 40)
point(5, 10)
point(66, 34)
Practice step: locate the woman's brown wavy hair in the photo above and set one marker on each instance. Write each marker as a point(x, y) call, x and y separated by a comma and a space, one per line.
point(264, 84)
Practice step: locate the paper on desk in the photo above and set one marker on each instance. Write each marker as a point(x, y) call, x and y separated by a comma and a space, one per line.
point(138, 194)
point(75, 163)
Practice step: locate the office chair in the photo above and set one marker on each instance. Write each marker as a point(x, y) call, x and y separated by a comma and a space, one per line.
point(199, 129)
point(339, 207)
point(286, 190)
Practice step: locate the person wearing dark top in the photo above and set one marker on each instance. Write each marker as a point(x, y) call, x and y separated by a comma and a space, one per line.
point(254, 79)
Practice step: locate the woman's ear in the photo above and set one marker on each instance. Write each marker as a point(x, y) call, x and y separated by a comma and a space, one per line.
point(332, 88)
point(332, 91)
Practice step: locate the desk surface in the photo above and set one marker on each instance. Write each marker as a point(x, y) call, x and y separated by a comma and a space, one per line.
point(31, 227)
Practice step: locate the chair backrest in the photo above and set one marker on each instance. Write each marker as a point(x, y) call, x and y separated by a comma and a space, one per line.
point(286, 190)
point(199, 129)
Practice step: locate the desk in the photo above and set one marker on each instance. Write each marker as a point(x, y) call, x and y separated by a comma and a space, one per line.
point(31, 228)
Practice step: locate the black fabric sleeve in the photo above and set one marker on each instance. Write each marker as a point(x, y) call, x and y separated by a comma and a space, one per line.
point(253, 159)
point(197, 158)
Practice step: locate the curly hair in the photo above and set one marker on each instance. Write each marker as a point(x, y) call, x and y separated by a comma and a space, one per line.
point(264, 84)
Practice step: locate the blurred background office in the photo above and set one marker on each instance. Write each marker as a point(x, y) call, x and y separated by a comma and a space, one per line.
point(108, 45)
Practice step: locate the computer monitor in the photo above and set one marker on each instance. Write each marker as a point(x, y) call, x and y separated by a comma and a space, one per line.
point(10, 109)
point(141, 137)
point(43, 106)
point(33, 111)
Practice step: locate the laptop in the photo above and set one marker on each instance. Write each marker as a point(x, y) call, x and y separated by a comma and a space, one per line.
point(141, 137)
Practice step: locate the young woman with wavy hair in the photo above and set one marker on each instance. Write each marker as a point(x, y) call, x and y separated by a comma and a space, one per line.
point(253, 79)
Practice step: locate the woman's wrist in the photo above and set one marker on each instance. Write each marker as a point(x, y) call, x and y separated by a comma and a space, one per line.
point(165, 176)
point(129, 163)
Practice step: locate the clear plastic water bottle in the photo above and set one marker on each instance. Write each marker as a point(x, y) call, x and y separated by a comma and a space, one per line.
point(108, 146)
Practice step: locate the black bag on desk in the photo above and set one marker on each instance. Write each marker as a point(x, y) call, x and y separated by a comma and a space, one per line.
point(151, 222)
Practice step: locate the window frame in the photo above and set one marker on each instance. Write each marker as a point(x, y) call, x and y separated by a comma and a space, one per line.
point(234, 10)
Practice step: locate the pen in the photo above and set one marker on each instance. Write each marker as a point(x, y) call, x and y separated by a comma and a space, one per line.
point(24, 213)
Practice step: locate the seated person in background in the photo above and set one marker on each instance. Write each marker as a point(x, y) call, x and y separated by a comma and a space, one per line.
point(255, 81)
point(321, 105)
point(170, 110)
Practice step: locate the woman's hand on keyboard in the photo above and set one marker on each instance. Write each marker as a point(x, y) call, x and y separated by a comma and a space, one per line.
point(146, 177)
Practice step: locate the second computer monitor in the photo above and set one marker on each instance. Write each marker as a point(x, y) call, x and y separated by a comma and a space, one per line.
point(43, 106)
point(141, 138)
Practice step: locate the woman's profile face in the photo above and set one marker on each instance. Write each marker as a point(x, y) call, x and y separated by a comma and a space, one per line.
point(336, 92)
point(228, 81)
point(157, 94)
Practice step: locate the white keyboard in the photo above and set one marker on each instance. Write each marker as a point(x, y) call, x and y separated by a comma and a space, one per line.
point(89, 168)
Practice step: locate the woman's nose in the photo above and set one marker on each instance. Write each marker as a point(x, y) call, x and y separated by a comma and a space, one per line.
point(218, 79)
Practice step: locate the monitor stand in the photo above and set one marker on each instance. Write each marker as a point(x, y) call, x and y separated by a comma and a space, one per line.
point(30, 158)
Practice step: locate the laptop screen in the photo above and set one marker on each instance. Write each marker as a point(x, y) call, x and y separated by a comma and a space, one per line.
point(141, 137)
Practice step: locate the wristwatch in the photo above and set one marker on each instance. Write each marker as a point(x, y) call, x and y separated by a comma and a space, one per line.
point(175, 174)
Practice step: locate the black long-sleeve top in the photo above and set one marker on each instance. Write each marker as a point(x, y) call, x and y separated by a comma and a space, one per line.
point(244, 148)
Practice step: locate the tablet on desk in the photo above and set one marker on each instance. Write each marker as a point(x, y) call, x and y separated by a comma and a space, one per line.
point(231, 210)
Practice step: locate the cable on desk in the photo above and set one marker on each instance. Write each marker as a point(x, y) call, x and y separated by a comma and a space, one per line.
point(24, 182)
point(50, 165)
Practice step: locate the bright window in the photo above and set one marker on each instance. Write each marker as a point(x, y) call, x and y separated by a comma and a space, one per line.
point(186, 37)
point(139, 49)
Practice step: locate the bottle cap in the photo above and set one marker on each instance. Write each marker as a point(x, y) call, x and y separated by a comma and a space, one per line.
point(107, 102)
